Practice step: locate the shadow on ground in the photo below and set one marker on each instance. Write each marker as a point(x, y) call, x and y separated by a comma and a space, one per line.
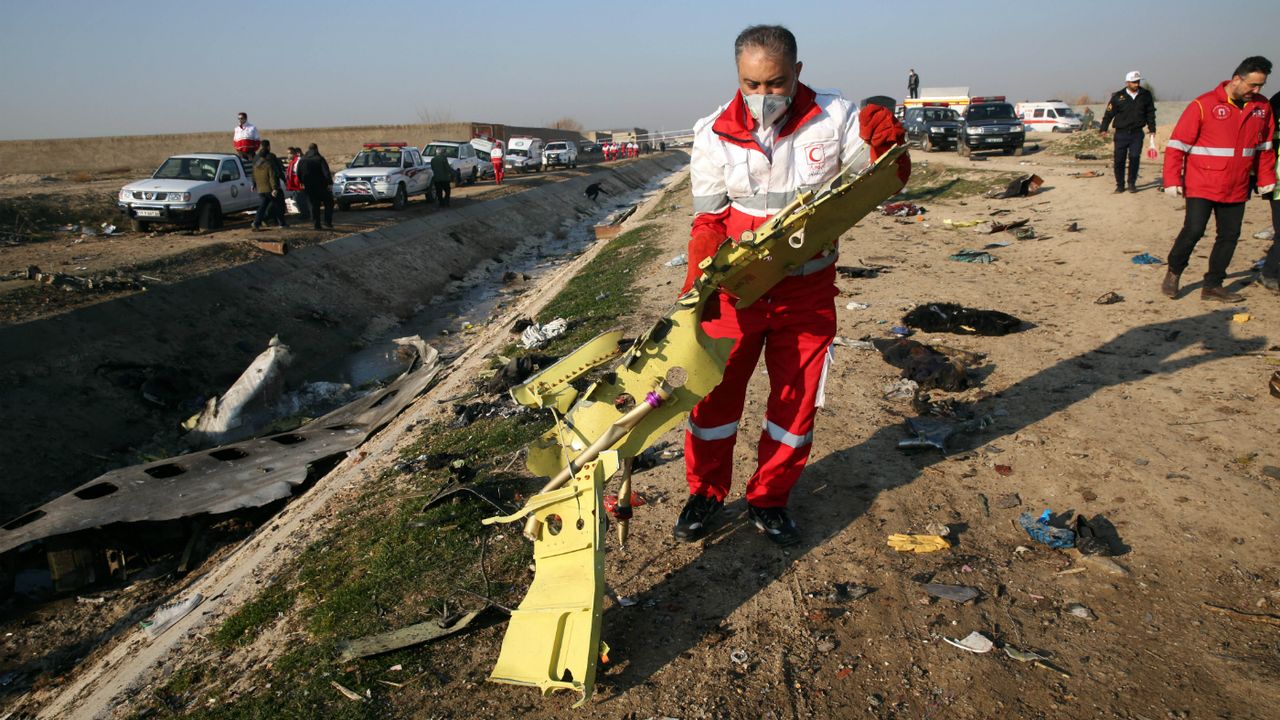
point(736, 563)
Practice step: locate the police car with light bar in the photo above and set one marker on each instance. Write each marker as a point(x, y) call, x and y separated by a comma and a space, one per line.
point(990, 123)
point(381, 172)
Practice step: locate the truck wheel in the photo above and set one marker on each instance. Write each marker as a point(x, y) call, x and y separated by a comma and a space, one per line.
point(401, 199)
point(1018, 150)
point(137, 225)
point(209, 215)
point(344, 205)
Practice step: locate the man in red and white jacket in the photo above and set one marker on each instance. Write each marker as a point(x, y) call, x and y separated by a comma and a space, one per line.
point(777, 137)
point(1219, 148)
point(245, 137)
point(293, 185)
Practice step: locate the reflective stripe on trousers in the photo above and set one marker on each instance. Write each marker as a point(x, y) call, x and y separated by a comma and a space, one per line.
point(780, 434)
point(719, 432)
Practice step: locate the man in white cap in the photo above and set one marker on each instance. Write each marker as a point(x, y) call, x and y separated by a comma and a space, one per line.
point(1130, 109)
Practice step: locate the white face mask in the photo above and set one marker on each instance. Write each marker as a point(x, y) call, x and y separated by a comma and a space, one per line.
point(767, 109)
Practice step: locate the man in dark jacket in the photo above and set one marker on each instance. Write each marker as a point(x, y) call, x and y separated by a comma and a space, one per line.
point(317, 181)
point(913, 84)
point(1130, 109)
point(267, 178)
point(441, 176)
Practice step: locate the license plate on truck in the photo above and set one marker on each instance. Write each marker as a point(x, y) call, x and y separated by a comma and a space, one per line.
point(148, 213)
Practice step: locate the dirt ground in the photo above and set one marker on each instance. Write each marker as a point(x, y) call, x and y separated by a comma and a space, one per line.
point(1153, 414)
point(44, 219)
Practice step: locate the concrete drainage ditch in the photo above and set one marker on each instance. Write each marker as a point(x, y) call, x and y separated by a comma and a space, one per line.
point(85, 390)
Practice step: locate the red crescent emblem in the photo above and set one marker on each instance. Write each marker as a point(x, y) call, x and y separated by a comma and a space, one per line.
point(815, 154)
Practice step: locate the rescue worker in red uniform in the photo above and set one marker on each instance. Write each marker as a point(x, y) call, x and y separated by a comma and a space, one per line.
point(245, 137)
point(775, 138)
point(1222, 141)
point(495, 156)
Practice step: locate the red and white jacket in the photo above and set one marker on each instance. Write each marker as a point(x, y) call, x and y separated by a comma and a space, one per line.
point(1217, 146)
point(245, 138)
point(737, 186)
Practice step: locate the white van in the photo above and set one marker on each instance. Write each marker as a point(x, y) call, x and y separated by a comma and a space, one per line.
point(523, 154)
point(1048, 116)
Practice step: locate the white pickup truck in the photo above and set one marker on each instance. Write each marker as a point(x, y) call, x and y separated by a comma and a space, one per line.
point(381, 172)
point(462, 159)
point(199, 188)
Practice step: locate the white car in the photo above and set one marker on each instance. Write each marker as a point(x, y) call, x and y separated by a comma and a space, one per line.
point(560, 152)
point(199, 188)
point(462, 159)
point(382, 172)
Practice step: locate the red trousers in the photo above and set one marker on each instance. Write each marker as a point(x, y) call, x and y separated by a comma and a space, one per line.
point(497, 172)
point(794, 333)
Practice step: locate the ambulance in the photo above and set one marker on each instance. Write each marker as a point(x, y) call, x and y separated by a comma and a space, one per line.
point(1048, 116)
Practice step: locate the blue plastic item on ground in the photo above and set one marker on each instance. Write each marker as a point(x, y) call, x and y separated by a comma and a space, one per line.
point(1039, 529)
point(1147, 259)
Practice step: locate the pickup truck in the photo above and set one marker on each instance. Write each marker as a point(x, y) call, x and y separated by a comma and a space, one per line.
point(560, 152)
point(462, 159)
point(381, 172)
point(199, 188)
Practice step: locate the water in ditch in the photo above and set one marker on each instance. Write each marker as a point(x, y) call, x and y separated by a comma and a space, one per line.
point(468, 302)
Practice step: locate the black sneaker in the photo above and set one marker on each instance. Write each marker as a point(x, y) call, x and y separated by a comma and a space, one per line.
point(776, 524)
point(694, 518)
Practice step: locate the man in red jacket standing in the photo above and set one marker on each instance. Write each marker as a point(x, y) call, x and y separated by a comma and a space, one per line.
point(777, 137)
point(1221, 142)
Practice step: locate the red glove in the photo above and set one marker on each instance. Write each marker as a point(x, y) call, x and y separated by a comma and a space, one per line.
point(702, 245)
point(904, 168)
point(879, 128)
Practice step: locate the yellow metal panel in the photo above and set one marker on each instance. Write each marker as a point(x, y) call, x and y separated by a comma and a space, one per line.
point(809, 225)
point(553, 639)
point(806, 227)
point(545, 388)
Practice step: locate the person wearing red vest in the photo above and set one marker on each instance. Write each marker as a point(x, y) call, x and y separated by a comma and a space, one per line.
point(496, 157)
point(245, 137)
point(1220, 145)
point(293, 185)
point(776, 138)
point(1270, 275)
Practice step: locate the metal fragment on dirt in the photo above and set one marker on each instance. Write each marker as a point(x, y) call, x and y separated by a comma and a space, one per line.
point(974, 642)
point(241, 475)
point(403, 638)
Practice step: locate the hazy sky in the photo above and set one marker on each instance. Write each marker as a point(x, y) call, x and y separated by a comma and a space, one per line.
point(87, 67)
